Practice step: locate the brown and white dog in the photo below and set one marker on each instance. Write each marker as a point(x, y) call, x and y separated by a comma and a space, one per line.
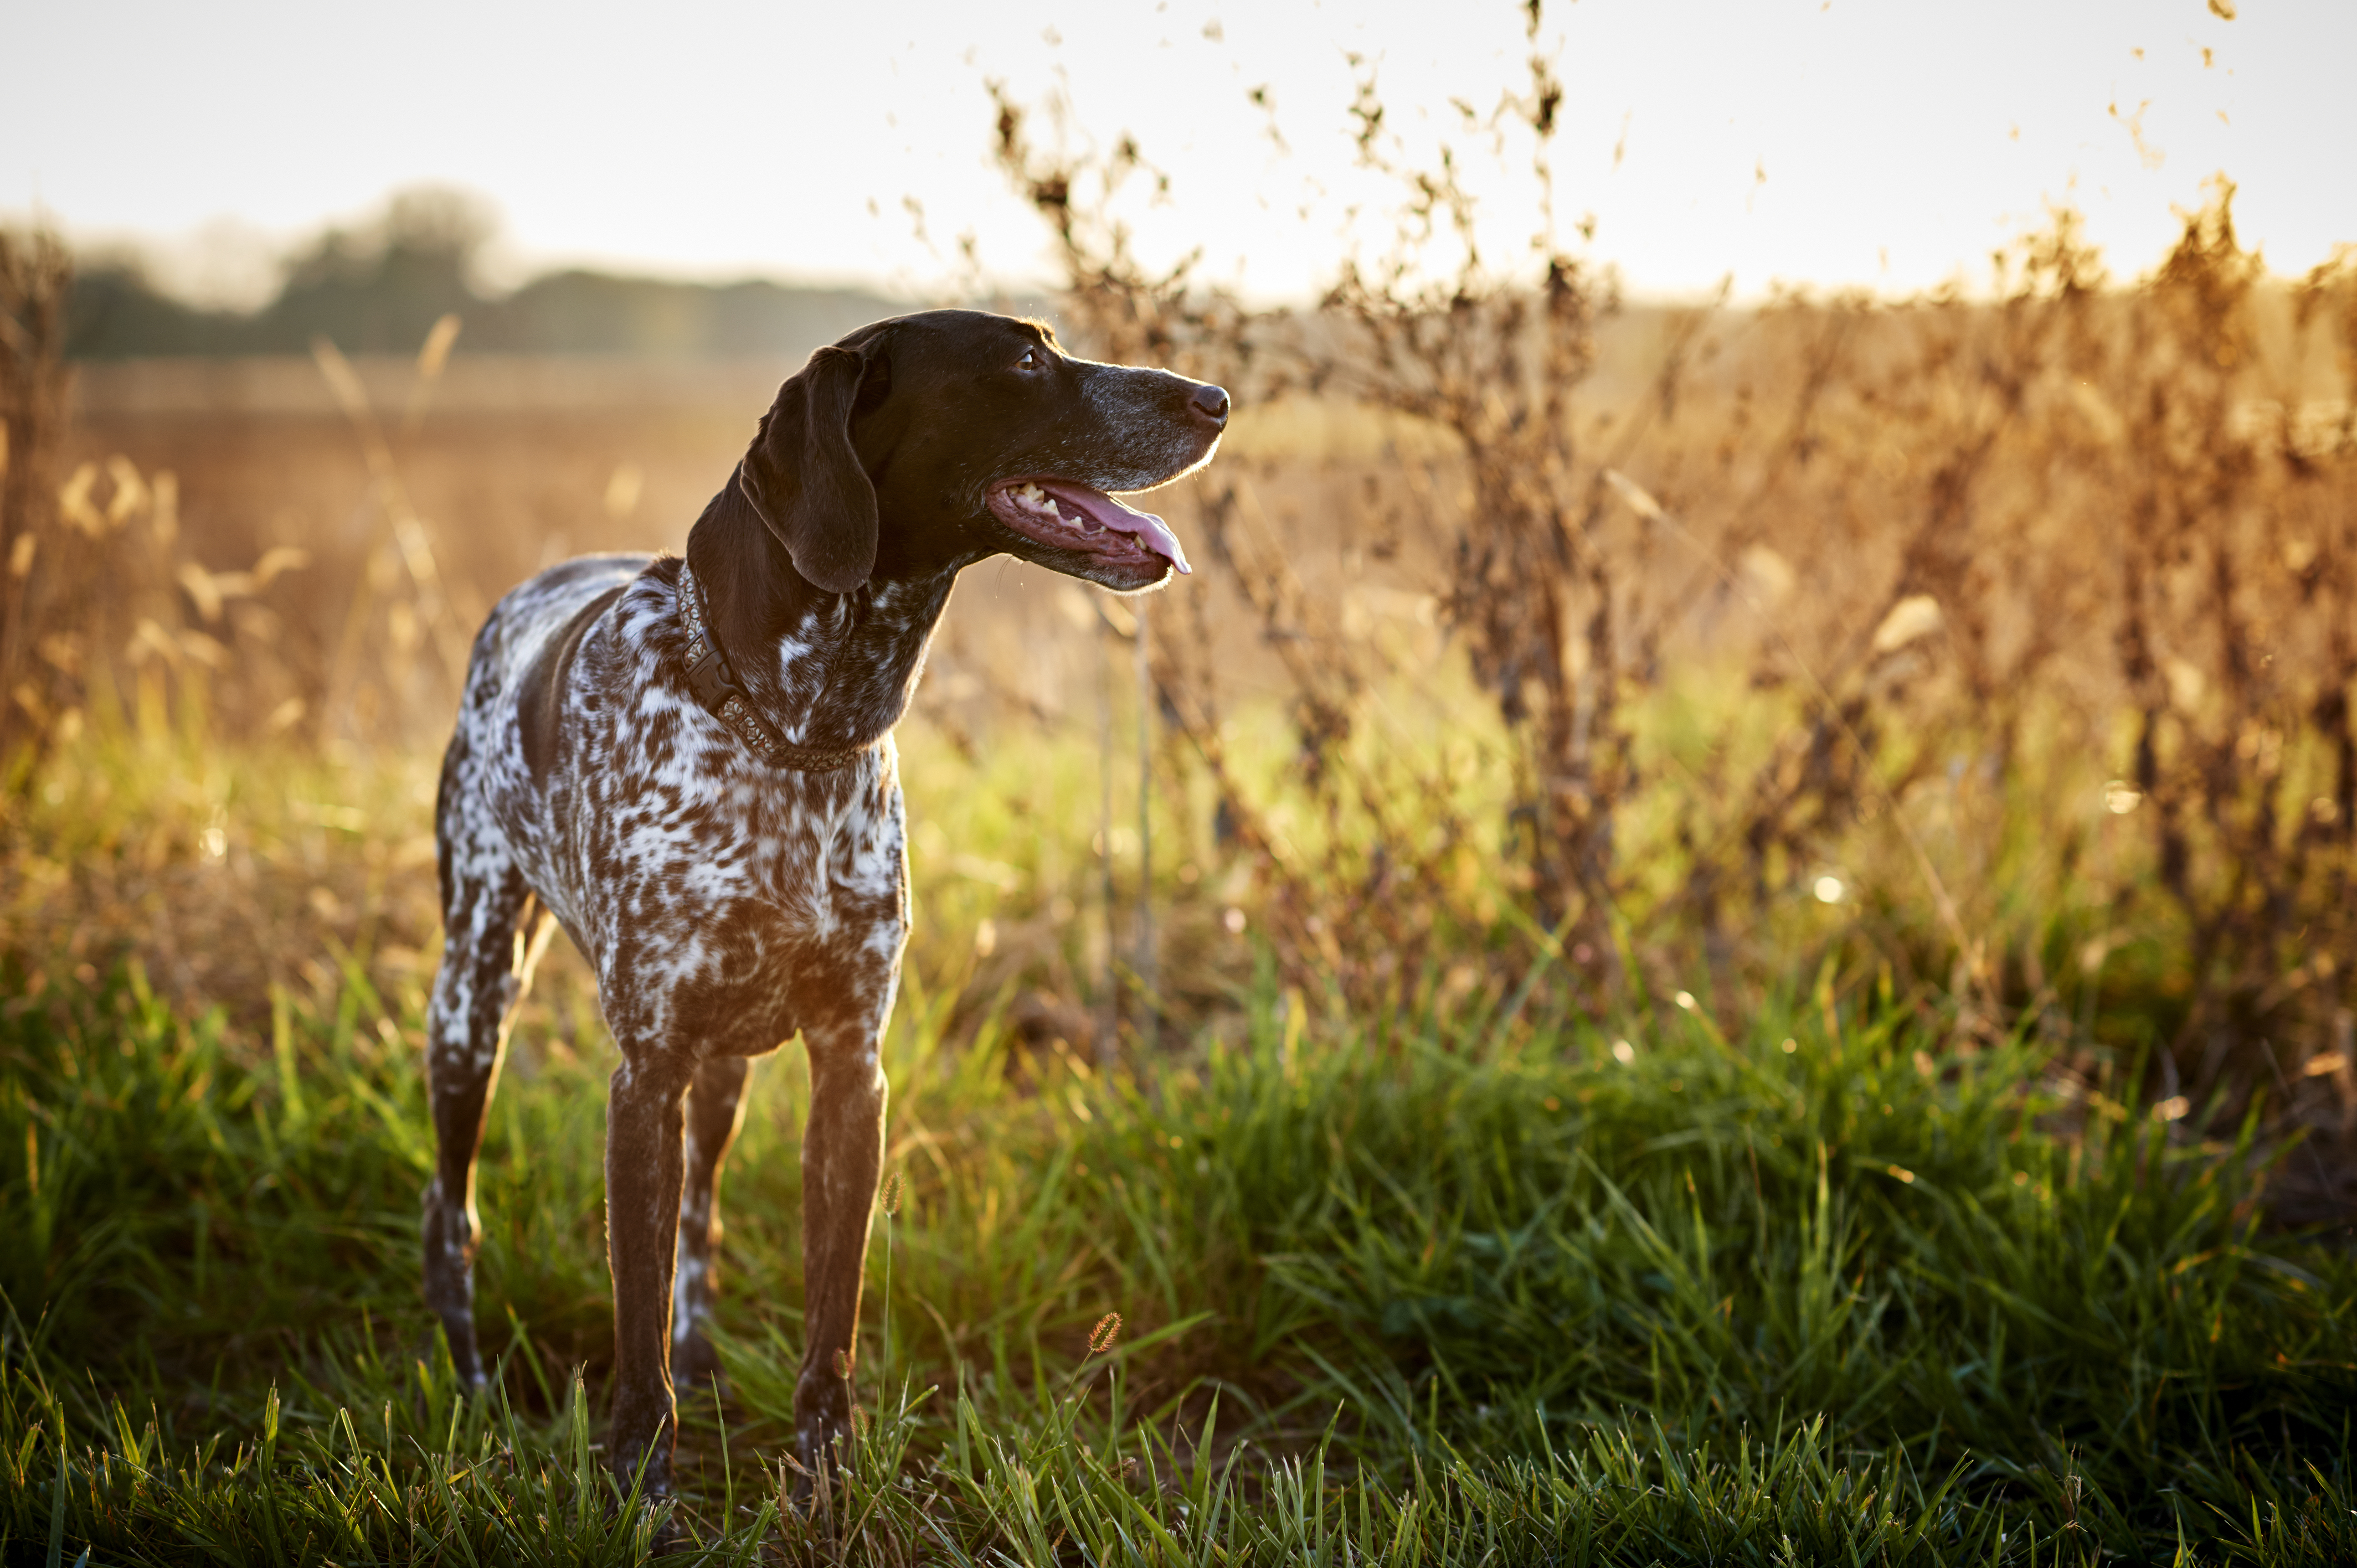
point(689, 765)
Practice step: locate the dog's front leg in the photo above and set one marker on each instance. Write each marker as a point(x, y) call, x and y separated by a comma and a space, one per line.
point(715, 1108)
point(644, 1126)
point(842, 1159)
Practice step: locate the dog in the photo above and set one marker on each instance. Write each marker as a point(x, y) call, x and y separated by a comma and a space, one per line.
point(687, 762)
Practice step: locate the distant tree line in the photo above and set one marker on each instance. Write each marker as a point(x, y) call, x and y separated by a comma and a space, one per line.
point(380, 287)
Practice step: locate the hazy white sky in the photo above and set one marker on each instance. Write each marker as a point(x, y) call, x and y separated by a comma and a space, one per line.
point(1891, 143)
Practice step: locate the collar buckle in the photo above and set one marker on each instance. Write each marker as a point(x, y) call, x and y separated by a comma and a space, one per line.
point(711, 678)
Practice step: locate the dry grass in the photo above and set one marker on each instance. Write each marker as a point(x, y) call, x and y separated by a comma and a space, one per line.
point(1548, 649)
point(2023, 627)
point(2017, 633)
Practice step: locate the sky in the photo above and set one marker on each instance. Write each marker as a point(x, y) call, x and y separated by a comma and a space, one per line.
point(1887, 144)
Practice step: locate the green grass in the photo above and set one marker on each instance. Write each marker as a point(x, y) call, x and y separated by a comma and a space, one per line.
point(1464, 1283)
point(1465, 1290)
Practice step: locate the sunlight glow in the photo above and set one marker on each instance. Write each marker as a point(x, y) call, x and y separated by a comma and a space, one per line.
point(1852, 143)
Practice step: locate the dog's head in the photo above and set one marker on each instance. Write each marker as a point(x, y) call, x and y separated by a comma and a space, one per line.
point(931, 441)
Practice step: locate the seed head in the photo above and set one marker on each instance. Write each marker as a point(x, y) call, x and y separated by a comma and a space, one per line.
point(890, 1199)
point(844, 1361)
point(1101, 1336)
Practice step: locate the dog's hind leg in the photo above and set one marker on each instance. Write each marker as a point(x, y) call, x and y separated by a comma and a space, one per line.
point(493, 932)
point(715, 1109)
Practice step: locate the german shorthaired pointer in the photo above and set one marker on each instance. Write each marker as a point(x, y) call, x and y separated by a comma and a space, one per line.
point(689, 764)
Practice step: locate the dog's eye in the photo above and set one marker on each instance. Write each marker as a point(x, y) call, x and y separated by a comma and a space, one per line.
point(1029, 362)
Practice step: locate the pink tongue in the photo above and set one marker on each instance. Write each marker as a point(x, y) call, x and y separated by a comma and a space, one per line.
point(1105, 511)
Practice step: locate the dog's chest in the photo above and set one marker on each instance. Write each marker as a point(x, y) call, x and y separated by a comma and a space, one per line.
point(680, 830)
point(711, 890)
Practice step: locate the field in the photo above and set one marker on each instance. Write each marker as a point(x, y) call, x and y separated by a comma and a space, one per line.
point(1458, 1283)
point(1708, 935)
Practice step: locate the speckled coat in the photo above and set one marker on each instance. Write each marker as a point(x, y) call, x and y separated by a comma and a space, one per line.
point(726, 902)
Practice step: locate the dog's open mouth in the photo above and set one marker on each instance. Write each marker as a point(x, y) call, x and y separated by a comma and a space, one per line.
point(1073, 516)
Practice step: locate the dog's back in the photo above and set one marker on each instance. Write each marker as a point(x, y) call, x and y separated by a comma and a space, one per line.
point(501, 764)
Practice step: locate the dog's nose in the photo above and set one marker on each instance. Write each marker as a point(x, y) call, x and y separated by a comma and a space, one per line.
point(1212, 402)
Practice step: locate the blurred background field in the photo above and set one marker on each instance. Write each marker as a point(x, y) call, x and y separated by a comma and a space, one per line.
point(2006, 642)
point(1707, 925)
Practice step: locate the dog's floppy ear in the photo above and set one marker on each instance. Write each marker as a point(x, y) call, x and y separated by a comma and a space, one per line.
point(803, 478)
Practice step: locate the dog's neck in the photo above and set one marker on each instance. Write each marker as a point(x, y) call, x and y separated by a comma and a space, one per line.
point(830, 671)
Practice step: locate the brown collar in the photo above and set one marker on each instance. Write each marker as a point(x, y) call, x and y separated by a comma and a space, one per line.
point(718, 692)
